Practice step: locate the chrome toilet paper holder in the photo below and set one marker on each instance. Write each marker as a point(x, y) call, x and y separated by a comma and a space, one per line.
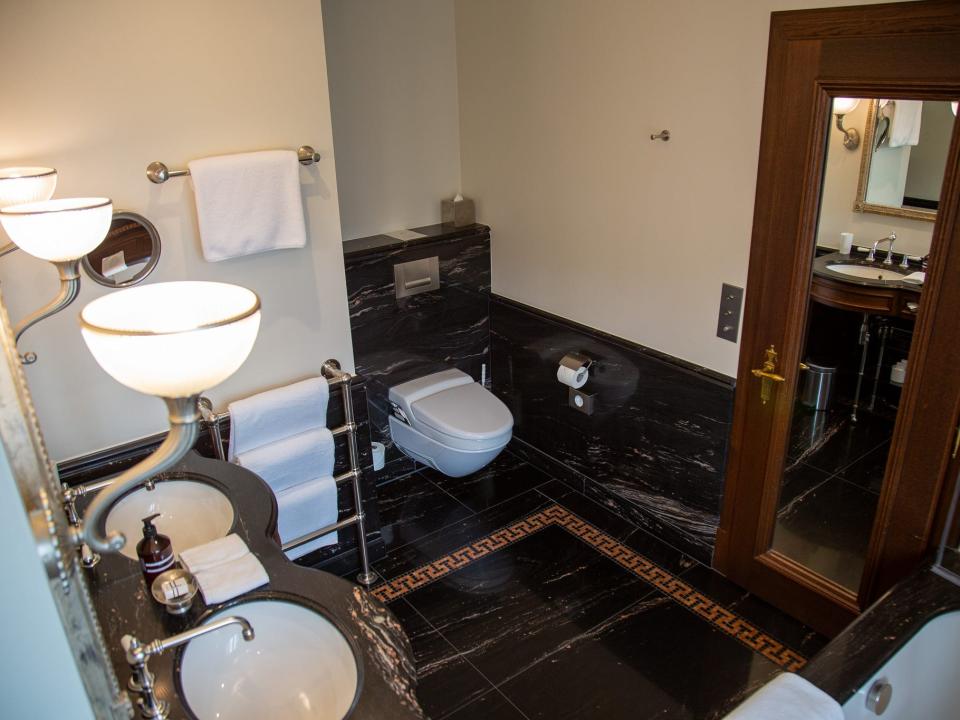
point(576, 361)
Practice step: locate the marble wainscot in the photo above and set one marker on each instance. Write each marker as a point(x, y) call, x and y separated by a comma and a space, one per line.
point(124, 604)
point(398, 340)
point(341, 558)
point(654, 450)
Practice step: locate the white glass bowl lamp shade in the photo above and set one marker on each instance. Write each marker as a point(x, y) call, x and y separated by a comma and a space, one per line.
point(953, 106)
point(58, 230)
point(842, 106)
point(173, 339)
point(26, 184)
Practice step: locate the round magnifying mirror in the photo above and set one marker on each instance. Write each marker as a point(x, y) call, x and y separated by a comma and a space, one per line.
point(127, 255)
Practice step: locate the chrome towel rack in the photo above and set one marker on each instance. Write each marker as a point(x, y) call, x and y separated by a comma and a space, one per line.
point(158, 172)
point(335, 376)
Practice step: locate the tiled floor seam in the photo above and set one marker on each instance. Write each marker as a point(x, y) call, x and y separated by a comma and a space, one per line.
point(669, 584)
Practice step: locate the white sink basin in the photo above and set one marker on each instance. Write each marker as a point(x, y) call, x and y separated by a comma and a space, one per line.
point(191, 513)
point(299, 667)
point(866, 272)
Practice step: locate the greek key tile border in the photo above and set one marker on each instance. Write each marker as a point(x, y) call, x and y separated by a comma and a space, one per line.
point(666, 582)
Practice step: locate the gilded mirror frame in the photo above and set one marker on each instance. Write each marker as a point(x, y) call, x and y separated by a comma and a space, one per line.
point(866, 155)
point(41, 495)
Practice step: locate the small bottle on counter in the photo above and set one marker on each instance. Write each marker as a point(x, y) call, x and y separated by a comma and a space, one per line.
point(155, 551)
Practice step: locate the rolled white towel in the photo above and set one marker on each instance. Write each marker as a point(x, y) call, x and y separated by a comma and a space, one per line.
point(307, 507)
point(227, 580)
point(275, 414)
point(788, 697)
point(216, 552)
point(285, 463)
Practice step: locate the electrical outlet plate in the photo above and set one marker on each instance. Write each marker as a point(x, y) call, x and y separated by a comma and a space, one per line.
point(731, 302)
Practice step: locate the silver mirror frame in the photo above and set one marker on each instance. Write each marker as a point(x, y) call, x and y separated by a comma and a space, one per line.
point(40, 492)
point(145, 271)
point(866, 155)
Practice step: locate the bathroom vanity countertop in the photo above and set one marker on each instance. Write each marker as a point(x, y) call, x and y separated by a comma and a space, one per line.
point(432, 233)
point(822, 263)
point(124, 604)
point(852, 657)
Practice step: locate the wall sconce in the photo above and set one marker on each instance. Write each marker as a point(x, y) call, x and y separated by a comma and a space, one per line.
point(173, 340)
point(22, 185)
point(953, 106)
point(60, 232)
point(842, 106)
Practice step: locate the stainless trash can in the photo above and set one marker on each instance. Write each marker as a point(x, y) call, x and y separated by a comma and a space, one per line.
point(817, 389)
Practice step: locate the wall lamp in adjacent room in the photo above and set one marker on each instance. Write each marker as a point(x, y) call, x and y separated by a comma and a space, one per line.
point(173, 340)
point(842, 106)
point(61, 232)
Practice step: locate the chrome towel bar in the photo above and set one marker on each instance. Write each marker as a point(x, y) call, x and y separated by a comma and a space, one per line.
point(158, 172)
point(335, 376)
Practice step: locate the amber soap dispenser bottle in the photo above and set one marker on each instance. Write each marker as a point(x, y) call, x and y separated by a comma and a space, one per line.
point(155, 551)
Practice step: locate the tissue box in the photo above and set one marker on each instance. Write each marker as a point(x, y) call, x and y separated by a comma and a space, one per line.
point(457, 212)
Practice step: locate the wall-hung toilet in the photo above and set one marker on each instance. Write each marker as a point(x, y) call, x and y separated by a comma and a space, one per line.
point(449, 422)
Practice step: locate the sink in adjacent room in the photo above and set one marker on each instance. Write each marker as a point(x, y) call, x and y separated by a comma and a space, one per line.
point(298, 667)
point(867, 272)
point(191, 513)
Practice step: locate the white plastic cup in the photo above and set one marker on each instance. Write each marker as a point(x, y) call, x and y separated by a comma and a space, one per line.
point(846, 243)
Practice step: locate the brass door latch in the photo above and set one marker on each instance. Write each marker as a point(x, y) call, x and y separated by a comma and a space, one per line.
point(767, 374)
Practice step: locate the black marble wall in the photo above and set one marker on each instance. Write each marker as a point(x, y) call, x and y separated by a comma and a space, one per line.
point(398, 340)
point(654, 449)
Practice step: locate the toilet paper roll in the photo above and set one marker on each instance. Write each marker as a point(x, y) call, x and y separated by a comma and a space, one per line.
point(575, 378)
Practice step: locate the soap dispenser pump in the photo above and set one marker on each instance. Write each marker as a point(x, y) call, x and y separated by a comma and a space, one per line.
point(155, 551)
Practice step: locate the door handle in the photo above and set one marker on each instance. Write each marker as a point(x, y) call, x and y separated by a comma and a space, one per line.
point(767, 374)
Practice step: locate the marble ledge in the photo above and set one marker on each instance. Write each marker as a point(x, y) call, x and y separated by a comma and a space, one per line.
point(375, 244)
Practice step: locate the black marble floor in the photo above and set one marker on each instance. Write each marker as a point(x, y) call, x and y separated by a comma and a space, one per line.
point(830, 490)
point(522, 598)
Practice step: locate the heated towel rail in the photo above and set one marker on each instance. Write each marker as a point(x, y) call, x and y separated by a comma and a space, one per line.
point(335, 376)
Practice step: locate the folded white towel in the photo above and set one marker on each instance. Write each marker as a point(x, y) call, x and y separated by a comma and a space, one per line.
point(248, 203)
point(216, 552)
point(227, 580)
point(905, 126)
point(285, 463)
point(275, 414)
point(788, 697)
point(918, 277)
point(304, 508)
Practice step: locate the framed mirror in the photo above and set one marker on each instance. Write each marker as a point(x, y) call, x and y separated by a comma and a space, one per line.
point(904, 180)
point(128, 254)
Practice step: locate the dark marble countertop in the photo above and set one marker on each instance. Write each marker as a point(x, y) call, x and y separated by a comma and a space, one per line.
point(360, 247)
point(850, 659)
point(821, 268)
point(125, 606)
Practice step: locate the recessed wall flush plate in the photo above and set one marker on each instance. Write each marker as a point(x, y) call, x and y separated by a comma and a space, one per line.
point(731, 301)
point(416, 276)
point(579, 400)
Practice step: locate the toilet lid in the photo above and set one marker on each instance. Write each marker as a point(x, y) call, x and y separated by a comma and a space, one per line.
point(466, 411)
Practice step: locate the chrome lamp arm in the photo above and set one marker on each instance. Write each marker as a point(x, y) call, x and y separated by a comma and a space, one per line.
point(184, 428)
point(69, 271)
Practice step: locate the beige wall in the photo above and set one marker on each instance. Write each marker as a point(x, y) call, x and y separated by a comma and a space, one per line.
point(99, 89)
point(840, 192)
point(591, 219)
point(393, 90)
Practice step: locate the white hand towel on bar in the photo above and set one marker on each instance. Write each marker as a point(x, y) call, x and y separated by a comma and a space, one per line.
point(275, 414)
point(213, 553)
point(248, 203)
point(285, 463)
point(905, 126)
point(788, 697)
point(227, 580)
point(304, 508)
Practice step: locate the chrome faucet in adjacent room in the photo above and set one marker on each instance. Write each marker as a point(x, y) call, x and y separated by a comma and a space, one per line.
point(891, 238)
point(141, 679)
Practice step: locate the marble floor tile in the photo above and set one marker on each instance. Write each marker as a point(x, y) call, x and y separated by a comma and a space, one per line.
point(867, 472)
point(505, 478)
point(650, 660)
point(412, 507)
point(445, 680)
point(492, 706)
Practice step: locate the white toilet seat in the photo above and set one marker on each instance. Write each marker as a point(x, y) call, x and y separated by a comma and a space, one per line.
point(449, 422)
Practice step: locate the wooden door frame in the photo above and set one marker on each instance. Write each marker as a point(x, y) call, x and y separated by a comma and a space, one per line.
point(813, 56)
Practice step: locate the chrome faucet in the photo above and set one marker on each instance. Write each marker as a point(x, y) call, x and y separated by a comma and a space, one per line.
point(141, 679)
point(891, 238)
